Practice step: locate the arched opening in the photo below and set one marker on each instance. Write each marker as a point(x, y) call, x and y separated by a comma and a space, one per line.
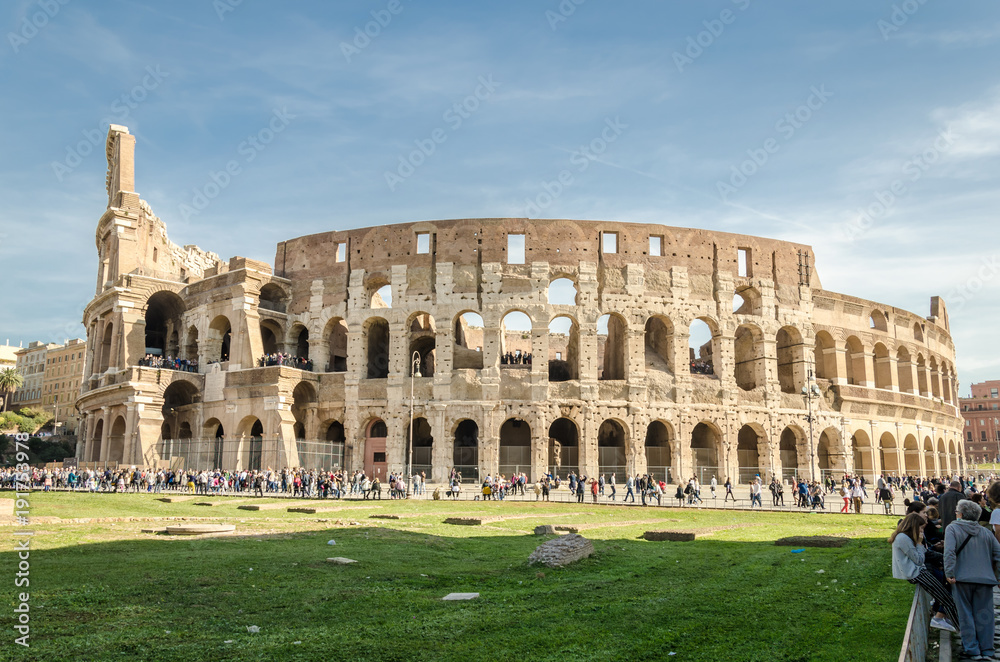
point(828, 457)
point(904, 370)
point(191, 347)
point(213, 433)
point(515, 339)
point(611, 449)
point(423, 447)
point(887, 454)
point(515, 448)
point(659, 344)
point(861, 448)
point(705, 440)
point(221, 335)
point(788, 453)
point(922, 375)
point(162, 320)
point(116, 441)
point(748, 349)
point(325, 454)
point(467, 349)
point(381, 296)
point(272, 297)
point(465, 455)
point(96, 441)
point(856, 373)
point(255, 449)
point(562, 292)
point(659, 462)
point(825, 356)
point(422, 341)
point(747, 301)
point(179, 411)
point(930, 460)
point(911, 456)
point(304, 403)
point(748, 453)
point(877, 321)
point(702, 341)
point(791, 359)
point(883, 369)
point(299, 336)
point(564, 349)
point(954, 461)
point(109, 329)
point(935, 379)
point(918, 332)
point(376, 335)
point(336, 339)
point(376, 464)
point(612, 333)
point(271, 336)
point(564, 447)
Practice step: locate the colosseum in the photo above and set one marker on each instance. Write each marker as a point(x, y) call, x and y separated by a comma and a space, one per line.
point(503, 345)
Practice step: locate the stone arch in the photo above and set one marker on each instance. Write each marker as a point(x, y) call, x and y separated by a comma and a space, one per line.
point(375, 432)
point(298, 341)
point(659, 344)
point(904, 370)
point(335, 332)
point(515, 448)
point(562, 291)
point(465, 453)
point(191, 345)
point(469, 341)
point(954, 460)
point(96, 441)
point(918, 332)
point(921, 375)
point(515, 333)
point(116, 440)
point(748, 350)
point(706, 443)
point(658, 447)
point(930, 458)
point(882, 366)
point(376, 342)
point(423, 448)
point(911, 456)
point(888, 454)
point(304, 403)
point(611, 353)
point(213, 435)
point(751, 453)
point(108, 335)
point(612, 442)
point(793, 452)
point(563, 446)
point(861, 448)
point(564, 349)
point(825, 353)
point(701, 355)
point(857, 374)
point(877, 320)
point(791, 359)
point(422, 342)
point(747, 301)
point(830, 455)
point(220, 337)
point(943, 463)
point(162, 317)
point(272, 297)
point(379, 293)
point(272, 336)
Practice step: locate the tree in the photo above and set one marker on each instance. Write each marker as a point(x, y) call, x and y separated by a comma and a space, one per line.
point(10, 381)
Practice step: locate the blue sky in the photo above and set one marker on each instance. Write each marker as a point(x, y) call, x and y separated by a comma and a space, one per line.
point(846, 106)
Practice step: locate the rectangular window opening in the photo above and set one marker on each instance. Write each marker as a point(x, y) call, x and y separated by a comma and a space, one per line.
point(743, 259)
point(515, 249)
point(423, 243)
point(341, 252)
point(655, 245)
point(609, 245)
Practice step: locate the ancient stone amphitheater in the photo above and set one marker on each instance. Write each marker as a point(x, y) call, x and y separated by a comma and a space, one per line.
point(513, 345)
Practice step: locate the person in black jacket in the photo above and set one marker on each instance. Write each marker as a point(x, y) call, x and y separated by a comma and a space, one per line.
point(947, 503)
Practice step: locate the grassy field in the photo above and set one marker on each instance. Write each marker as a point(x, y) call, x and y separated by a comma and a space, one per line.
point(102, 590)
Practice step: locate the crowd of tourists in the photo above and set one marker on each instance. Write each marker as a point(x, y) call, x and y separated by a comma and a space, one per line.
point(700, 367)
point(286, 360)
point(517, 357)
point(948, 543)
point(169, 363)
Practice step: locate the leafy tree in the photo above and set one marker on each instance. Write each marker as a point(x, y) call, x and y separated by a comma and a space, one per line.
point(10, 381)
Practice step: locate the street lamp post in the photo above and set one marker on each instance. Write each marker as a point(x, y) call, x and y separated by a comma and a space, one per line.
point(811, 391)
point(414, 373)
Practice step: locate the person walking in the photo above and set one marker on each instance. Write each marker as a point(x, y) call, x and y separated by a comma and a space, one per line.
point(629, 488)
point(714, 485)
point(971, 561)
point(611, 484)
point(729, 491)
point(755, 493)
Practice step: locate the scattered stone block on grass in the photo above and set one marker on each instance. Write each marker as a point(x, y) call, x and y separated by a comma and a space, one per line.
point(247, 507)
point(812, 541)
point(461, 596)
point(203, 503)
point(153, 530)
point(340, 560)
point(466, 521)
point(198, 529)
point(311, 511)
point(562, 551)
point(673, 536)
point(174, 499)
point(378, 516)
point(567, 529)
point(545, 530)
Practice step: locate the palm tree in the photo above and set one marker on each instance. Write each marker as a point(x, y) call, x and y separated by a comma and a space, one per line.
point(10, 381)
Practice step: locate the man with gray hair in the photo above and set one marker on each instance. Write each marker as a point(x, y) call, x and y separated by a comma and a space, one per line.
point(971, 559)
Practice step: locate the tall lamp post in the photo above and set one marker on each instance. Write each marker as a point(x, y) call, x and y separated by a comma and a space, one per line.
point(414, 373)
point(811, 391)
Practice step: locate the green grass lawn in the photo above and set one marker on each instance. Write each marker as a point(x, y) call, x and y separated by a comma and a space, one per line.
point(106, 591)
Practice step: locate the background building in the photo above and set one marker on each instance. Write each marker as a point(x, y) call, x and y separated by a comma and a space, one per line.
point(790, 379)
point(8, 356)
point(61, 383)
point(31, 365)
point(982, 422)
